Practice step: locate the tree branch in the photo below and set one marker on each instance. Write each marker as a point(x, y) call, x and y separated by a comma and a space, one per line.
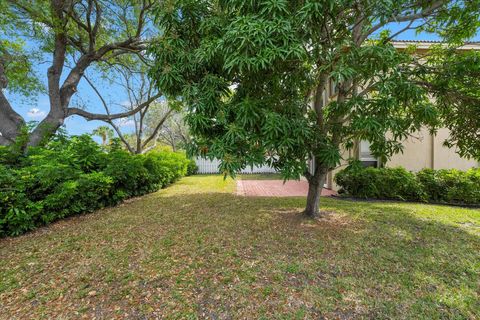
point(96, 116)
point(405, 18)
point(157, 128)
point(105, 106)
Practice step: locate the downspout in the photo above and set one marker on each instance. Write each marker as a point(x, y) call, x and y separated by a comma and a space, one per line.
point(432, 152)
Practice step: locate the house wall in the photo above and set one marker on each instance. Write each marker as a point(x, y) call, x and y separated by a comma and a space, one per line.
point(427, 151)
point(421, 150)
point(417, 152)
point(445, 158)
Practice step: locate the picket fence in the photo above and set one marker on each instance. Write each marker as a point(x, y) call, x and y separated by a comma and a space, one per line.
point(211, 166)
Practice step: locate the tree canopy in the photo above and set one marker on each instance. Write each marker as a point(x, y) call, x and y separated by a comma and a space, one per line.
point(74, 36)
point(254, 75)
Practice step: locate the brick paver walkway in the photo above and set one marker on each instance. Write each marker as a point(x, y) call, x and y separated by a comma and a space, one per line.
point(275, 188)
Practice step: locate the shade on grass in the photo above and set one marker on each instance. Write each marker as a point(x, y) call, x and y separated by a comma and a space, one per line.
point(195, 250)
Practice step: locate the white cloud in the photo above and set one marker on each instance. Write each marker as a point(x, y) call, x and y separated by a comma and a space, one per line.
point(36, 113)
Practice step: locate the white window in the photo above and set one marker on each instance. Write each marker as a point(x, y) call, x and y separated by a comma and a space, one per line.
point(365, 155)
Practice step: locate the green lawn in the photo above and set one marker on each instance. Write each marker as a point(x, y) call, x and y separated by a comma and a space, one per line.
point(195, 250)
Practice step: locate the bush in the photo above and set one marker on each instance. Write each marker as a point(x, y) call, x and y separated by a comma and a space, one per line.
point(129, 175)
point(73, 176)
point(445, 186)
point(170, 165)
point(384, 183)
point(451, 186)
point(17, 212)
point(192, 167)
point(89, 192)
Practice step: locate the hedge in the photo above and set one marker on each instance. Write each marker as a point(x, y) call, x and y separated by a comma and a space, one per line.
point(75, 176)
point(437, 186)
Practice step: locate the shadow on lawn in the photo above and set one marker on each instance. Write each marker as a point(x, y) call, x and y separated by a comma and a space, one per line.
point(238, 257)
point(377, 259)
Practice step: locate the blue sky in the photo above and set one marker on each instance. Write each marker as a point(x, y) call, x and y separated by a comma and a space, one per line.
point(36, 109)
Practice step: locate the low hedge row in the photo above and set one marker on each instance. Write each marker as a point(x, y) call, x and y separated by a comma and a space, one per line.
point(73, 176)
point(439, 186)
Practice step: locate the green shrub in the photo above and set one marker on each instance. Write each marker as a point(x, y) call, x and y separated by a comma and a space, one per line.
point(7, 157)
point(89, 192)
point(446, 186)
point(41, 180)
point(451, 186)
point(14, 203)
point(85, 154)
point(432, 185)
point(157, 172)
point(383, 183)
point(73, 176)
point(128, 173)
point(174, 165)
point(192, 167)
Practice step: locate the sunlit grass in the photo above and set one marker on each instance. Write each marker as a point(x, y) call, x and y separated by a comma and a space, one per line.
point(195, 250)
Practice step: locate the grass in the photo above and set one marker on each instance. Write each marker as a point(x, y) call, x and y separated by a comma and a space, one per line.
point(195, 251)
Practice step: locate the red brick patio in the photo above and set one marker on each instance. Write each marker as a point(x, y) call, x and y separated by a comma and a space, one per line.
point(275, 188)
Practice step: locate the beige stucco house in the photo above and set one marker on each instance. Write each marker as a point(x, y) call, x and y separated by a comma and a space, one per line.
point(421, 150)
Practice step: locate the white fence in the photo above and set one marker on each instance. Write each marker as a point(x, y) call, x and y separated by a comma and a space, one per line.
point(209, 166)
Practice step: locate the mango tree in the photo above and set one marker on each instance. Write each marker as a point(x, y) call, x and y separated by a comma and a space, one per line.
point(254, 76)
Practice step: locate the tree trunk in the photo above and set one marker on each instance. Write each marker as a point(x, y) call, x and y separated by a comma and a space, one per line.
point(47, 128)
point(315, 185)
point(10, 122)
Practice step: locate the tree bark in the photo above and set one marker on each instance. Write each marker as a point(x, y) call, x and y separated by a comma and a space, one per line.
point(10, 121)
point(315, 185)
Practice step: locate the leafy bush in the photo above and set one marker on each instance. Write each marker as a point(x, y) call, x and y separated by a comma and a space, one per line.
point(446, 186)
point(451, 186)
point(129, 174)
point(14, 204)
point(73, 176)
point(89, 192)
point(384, 183)
point(171, 165)
point(192, 167)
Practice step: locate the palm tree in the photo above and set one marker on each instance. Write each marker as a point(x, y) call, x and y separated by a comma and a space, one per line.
point(104, 132)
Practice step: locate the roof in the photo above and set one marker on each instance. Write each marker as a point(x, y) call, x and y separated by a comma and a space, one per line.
point(425, 44)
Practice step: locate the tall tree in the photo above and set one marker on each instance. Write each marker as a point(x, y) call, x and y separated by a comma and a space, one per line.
point(130, 78)
point(76, 34)
point(105, 133)
point(175, 132)
point(282, 55)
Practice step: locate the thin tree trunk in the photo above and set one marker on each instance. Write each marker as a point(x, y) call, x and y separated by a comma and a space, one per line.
point(315, 185)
